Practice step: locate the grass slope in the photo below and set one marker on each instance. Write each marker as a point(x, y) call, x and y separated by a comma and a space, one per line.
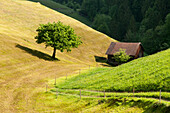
point(23, 23)
point(73, 104)
point(26, 66)
point(150, 73)
point(64, 9)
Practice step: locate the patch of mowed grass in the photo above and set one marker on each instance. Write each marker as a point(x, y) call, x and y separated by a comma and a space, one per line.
point(62, 103)
point(65, 103)
point(28, 65)
point(71, 103)
point(18, 25)
point(150, 73)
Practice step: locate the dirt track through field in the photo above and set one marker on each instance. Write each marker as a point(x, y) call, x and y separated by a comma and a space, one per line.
point(88, 96)
point(114, 94)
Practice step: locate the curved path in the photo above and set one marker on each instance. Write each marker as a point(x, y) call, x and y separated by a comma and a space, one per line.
point(118, 94)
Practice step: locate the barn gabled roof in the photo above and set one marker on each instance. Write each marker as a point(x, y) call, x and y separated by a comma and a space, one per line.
point(131, 48)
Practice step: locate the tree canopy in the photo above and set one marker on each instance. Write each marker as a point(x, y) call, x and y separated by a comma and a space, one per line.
point(129, 20)
point(57, 35)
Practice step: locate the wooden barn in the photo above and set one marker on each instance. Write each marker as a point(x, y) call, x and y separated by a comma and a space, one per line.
point(135, 50)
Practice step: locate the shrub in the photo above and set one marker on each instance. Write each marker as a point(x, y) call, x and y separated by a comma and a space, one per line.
point(121, 56)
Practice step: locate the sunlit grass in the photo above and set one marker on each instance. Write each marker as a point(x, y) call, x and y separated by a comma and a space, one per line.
point(71, 103)
point(25, 66)
point(145, 74)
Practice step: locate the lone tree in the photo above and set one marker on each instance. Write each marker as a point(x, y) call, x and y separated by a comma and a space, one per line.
point(121, 56)
point(57, 35)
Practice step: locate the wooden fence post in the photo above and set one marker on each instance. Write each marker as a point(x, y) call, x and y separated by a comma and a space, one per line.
point(124, 101)
point(104, 94)
point(55, 81)
point(79, 71)
point(66, 76)
point(27, 103)
point(35, 103)
point(80, 93)
point(46, 87)
point(57, 93)
point(160, 96)
point(133, 91)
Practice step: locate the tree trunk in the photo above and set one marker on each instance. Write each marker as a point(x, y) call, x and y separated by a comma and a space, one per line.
point(54, 53)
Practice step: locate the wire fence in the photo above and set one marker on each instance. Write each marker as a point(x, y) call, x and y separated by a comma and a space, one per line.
point(86, 93)
point(103, 94)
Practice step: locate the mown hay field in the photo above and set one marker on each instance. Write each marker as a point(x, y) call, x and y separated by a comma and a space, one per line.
point(25, 66)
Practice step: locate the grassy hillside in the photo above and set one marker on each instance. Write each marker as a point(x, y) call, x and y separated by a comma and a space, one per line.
point(73, 104)
point(23, 23)
point(150, 73)
point(26, 66)
point(64, 9)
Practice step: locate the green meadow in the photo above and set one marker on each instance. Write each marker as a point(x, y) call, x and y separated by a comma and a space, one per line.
point(150, 73)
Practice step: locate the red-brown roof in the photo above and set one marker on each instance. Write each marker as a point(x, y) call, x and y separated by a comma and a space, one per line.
point(131, 48)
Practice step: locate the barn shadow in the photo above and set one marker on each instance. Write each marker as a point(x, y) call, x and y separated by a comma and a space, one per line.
point(36, 53)
point(103, 61)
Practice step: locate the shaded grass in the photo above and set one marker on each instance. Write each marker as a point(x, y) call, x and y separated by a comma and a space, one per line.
point(37, 53)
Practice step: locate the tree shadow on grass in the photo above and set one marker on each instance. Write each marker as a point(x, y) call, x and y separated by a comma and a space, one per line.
point(103, 60)
point(36, 53)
